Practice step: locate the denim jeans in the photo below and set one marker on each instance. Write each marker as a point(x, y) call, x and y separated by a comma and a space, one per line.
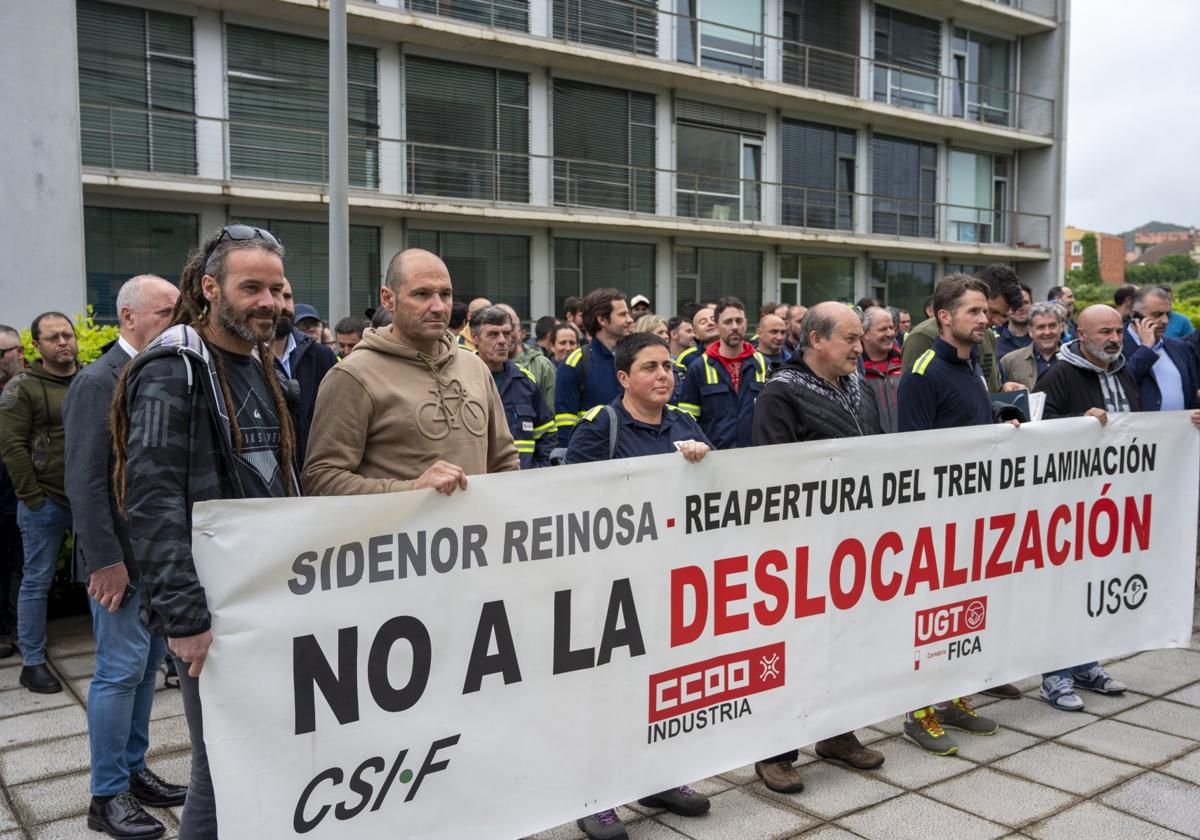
point(200, 811)
point(122, 692)
point(42, 532)
point(1069, 673)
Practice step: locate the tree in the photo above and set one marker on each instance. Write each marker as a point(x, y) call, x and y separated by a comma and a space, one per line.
point(1177, 268)
point(1090, 275)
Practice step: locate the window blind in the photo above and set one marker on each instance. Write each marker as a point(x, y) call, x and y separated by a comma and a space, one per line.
point(494, 266)
point(119, 244)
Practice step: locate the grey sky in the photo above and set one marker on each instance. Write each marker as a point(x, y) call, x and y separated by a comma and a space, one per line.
point(1133, 114)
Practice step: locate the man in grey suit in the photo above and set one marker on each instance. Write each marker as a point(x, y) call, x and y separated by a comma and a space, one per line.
point(127, 655)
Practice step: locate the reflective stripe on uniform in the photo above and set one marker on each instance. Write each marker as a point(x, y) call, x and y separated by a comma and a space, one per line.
point(710, 373)
point(590, 414)
point(573, 359)
point(538, 431)
point(761, 373)
point(566, 419)
point(923, 362)
point(525, 447)
point(691, 408)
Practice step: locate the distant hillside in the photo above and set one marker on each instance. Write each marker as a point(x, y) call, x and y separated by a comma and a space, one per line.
point(1150, 227)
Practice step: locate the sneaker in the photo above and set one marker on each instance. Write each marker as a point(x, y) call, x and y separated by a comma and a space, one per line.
point(1097, 679)
point(779, 776)
point(1059, 692)
point(603, 826)
point(847, 748)
point(926, 729)
point(958, 714)
point(681, 800)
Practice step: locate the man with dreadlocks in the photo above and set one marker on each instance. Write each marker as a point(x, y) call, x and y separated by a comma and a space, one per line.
point(200, 415)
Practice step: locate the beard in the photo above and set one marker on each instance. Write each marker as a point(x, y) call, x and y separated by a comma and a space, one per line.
point(237, 323)
point(1106, 352)
point(284, 325)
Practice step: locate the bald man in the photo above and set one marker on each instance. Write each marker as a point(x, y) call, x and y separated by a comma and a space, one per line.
point(464, 336)
point(772, 333)
point(385, 420)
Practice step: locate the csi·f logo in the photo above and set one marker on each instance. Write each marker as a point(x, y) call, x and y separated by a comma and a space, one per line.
point(940, 623)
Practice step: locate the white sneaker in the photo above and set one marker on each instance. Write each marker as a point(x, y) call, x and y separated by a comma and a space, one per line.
point(1059, 692)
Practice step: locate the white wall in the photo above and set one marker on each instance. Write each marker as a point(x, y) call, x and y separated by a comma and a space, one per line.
point(41, 217)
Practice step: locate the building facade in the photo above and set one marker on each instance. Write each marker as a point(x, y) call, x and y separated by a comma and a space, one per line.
point(793, 150)
point(1110, 248)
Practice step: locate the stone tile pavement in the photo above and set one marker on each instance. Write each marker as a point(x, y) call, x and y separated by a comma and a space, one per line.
point(1128, 767)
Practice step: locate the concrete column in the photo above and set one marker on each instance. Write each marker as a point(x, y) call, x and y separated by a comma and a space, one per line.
point(541, 274)
point(664, 156)
point(391, 121)
point(339, 166)
point(541, 20)
point(41, 225)
point(772, 45)
point(664, 277)
point(212, 140)
point(541, 170)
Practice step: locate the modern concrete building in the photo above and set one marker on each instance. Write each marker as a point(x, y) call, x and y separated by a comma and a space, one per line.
point(794, 150)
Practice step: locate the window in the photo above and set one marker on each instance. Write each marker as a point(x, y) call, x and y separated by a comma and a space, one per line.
point(306, 260)
point(724, 34)
point(1077, 249)
point(982, 71)
point(468, 131)
point(963, 268)
point(818, 175)
point(904, 181)
point(505, 14)
point(820, 44)
point(978, 197)
point(903, 284)
point(490, 265)
point(581, 265)
point(119, 244)
point(719, 162)
point(1076, 266)
point(626, 25)
point(603, 147)
point(706, 274)
point(136, 89)
point(908, 59)
point(279, 108)
point(817, 279)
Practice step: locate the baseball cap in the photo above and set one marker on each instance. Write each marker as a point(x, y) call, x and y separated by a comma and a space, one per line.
point(639, 299)
point(305, 311)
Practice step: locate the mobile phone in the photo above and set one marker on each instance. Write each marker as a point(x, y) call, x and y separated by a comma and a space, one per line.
point(1135, 316)
point(130, 591)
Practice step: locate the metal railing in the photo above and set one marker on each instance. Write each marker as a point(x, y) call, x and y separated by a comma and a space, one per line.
point(238, 150)
point(1041, 8)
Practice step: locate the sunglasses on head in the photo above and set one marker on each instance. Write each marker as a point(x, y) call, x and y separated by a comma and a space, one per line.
point(243, 233)
point(4, 351)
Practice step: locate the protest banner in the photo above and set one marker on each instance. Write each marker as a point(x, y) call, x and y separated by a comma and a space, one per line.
point(551, 643)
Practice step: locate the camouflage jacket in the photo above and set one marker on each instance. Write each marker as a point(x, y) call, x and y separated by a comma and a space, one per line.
point(179, 452)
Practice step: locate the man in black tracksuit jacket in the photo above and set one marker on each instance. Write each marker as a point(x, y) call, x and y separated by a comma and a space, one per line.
point(817, 395)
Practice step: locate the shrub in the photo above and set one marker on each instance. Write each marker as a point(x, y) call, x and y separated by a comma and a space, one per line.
point(92, 338)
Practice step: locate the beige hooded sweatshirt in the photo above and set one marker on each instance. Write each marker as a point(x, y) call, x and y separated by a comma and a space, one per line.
point(386, 413)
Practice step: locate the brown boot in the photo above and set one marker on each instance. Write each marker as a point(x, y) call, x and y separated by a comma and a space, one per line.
point(779, 776)
point(847, 748)
point(1007, 691)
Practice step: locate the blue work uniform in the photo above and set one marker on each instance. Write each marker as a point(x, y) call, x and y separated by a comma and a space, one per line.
point(634, 438)
point(725, 415)
point(573, 397)
point(529, 418)
point(943, 391)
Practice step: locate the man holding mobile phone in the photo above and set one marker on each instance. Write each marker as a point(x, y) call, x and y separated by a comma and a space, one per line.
point(127, 655)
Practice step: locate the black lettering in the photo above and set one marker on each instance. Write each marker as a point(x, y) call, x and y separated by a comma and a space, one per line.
point(565, 659)
point(493, 621)
point(620, 601)
point(388, 697)
point(306, 576)
point(311, 669)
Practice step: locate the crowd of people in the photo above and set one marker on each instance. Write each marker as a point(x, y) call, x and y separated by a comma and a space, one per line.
point(224, 387)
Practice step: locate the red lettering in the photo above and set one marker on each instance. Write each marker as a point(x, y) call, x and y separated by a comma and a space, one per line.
point(951, 574)
point(1108, 509)
point(682, 579)
point(852, 549)
point(1079, 523)
point(1030, 550)
point(1137, 523)
point(771, 585)
point(724, 592)
point(923, 566)
point(1004, 523)
point(1058, 552)
point(892, 542)
point(977, 551)
point(805, 606)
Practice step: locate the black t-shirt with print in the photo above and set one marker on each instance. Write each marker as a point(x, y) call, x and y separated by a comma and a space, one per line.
point(254, 411)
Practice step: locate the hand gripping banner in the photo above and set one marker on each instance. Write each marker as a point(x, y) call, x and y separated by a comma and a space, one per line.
point(551, 643)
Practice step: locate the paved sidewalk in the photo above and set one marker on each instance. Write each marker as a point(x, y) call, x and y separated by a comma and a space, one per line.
point(1127, 767)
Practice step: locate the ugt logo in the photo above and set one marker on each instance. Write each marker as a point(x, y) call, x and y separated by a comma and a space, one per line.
point(958, 619)
point(1114, 593)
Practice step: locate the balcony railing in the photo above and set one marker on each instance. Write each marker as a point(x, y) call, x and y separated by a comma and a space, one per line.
point(636, 27)
point(236, 150)
point(1041, 8)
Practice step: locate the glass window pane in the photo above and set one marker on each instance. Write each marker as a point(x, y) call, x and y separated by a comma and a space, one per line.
point(731, 36)
point(826, 278)
point(495, 266)
point(119, 244)
point(907, 284)
point(627, 265)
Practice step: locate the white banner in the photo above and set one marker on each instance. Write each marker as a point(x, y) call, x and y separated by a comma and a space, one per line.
point(555, 642)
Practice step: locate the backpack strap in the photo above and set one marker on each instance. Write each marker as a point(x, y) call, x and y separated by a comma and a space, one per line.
point(614, 430)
